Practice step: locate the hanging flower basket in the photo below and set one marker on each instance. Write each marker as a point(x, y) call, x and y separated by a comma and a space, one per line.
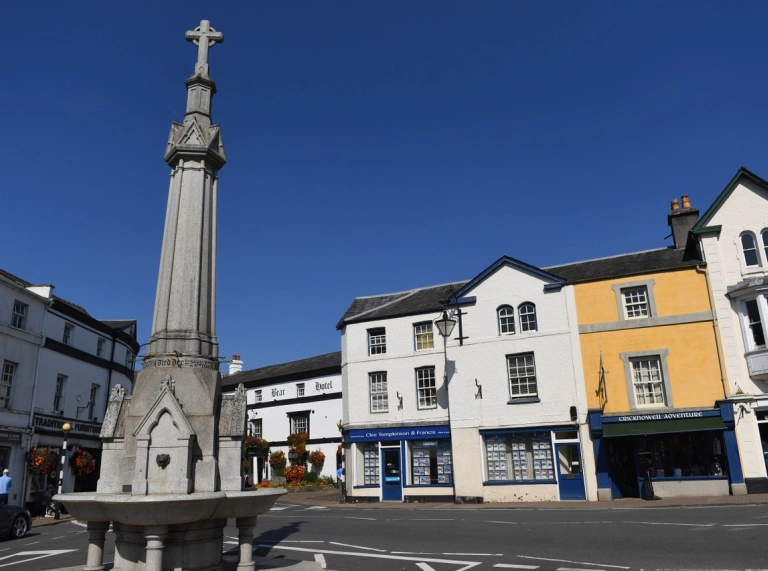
point(277, 460)
point(317, 458)
point(82, 463)
point(298, 442)
point(255, 446)
point(41, 461)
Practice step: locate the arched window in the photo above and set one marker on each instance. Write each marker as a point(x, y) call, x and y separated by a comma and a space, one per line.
point(749, 249)
point(506, 320)
point(527, 313)
point(765, 243)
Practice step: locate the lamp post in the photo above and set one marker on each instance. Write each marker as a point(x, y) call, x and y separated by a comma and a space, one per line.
point(66, 427)
point(342, 478)
point(445, 326)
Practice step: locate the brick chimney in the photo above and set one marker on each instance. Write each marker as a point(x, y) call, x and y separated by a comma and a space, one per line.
point(236, 365)
point(681, 220)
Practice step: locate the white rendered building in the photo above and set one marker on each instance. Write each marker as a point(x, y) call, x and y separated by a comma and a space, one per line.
point(291, 397)
point(733, 237)
point(59, 365)
point(496, 414)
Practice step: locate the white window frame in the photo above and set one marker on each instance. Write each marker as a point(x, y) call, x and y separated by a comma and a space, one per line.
point(749, 334)
point(744, 249)
point(377, 385)
point(505, 315)
point(521, 372)
point(58, 393)
point(377, 341)
point(19, 316)
point(622, 288)
point(257, 396)
point(299, 390)
point(632, 357)
point(69, 334)
point(426, 388)
point(299, 422)
point(423, 336)
point(100, 347)
point(92, 400)
point(7, 377)
point(526, 313)
point(257, 428)
point(764, 236)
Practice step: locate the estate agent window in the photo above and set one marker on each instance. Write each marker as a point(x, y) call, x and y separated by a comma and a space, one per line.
point(519, 457)
point(431, 462)
point(370, 465)
point(377, 341)
point(426, 387)
point(522, 375)
point(378, 388)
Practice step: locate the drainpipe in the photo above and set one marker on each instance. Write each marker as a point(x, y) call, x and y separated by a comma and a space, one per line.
point(723, 380)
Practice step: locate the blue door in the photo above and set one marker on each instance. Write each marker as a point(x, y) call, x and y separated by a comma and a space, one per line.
point(391, 485)
point(570, 477)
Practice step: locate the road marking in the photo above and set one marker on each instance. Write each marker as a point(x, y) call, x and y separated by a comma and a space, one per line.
point(574, 569)
point(317, 508)
point(743, 524)
point(366, 518)
point(475, 554)
point(320, 559)
point(281, 508)
point(31, 543)
point(39, 554)
point(425, 567)
point(79, 524)
point(465, 564)
point(411, 553)
point(288, 541)
point(575, 562)
point(357, 546)
point(230, 542)
point(513, 566)
point(669, 523)
point(509, 522)
point(59, 537)
point(433, 519)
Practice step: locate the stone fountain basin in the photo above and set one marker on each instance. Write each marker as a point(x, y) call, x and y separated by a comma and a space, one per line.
point(167, 509)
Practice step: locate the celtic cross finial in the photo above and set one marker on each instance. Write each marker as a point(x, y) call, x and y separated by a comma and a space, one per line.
point(204, 37)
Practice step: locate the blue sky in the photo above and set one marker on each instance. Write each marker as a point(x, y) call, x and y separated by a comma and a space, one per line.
point(372, 146)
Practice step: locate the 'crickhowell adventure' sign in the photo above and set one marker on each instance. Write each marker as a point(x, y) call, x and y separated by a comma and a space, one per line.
point(662, 416)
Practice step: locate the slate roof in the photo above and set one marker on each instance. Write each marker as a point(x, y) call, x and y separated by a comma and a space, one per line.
point(626, 265)
point(410, 302)
point(310, 368)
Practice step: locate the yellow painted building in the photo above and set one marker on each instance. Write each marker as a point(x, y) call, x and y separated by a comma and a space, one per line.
point(654, 377)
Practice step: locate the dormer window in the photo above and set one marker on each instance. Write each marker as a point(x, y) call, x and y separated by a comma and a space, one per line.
point(506, 320)
point(527, 313)
point(749, 250)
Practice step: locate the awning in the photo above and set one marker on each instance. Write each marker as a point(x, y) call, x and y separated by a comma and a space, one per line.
point(644, 427)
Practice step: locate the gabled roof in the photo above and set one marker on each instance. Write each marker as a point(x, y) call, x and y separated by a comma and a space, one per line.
point(702, 226)
point(637, 263)
point(313, 367)
point(410, 302)
point(506, 261)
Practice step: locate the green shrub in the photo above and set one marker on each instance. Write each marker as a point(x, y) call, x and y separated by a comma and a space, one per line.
point(310, 477)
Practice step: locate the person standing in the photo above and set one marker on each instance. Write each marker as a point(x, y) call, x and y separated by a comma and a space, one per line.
point(5, 487)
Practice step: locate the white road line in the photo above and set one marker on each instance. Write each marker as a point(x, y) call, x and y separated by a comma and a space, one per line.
point(513, 566)
point(320, 559)
point(230, 542)
point(467, 564)
point(425, 567)
point(31, 543)
point(317, 508)
point(433, 519)
point(79, 523)
point(366, 518)
point(411, 553)
point(575, 562)
point(670, 523)
point(358, 546)
point(279, 509)
point(288, 541)
point(743, 524)
point(475, 554)
point(39, 554)
point(574, 569)
point(59, 537)
point(509, 522)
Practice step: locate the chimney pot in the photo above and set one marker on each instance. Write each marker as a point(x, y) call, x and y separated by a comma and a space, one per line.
point(235, 357)
point(675, 204)
point(235, 365)
point(686, 201)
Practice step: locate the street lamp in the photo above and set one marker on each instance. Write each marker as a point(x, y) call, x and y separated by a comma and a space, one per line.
point(445, 325)
point(66, 427)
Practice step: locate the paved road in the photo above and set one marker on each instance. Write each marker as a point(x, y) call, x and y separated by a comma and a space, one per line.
point(424, 539)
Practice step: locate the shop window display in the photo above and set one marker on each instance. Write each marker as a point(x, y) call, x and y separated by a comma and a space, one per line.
point(691, 454)
point(519, 457)
point(431, 463)
point(371, 465)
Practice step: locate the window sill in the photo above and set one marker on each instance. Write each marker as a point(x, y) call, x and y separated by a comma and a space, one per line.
point(524, 400)
point(428, 485)
point(517, 482)
point(365, 486)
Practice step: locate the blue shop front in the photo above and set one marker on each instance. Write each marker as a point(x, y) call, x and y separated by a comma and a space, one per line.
point(412, 463)
point(666, 454)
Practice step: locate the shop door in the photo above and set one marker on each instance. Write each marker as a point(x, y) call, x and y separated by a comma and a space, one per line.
point(392, 486)
point(570, 478)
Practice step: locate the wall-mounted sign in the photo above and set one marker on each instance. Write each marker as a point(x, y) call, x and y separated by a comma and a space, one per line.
point(54, 423)
point(6, 436)
point(415, 433)
point(661, 416)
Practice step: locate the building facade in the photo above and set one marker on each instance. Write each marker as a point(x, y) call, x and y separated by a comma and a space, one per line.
point(733, 238)
point(494, 412)
point(654, 384)
point(59, 366)
point(288, 398)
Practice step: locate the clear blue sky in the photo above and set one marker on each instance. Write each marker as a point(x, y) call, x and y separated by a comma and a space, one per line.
point(372, 146)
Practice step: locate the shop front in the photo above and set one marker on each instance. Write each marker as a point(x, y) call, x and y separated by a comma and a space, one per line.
point(399, 464)
point(666, 454)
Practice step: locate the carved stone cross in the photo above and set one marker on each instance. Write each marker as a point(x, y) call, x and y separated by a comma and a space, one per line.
point(203, 37)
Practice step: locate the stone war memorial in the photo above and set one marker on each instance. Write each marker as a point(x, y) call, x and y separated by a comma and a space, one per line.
point(171, 470)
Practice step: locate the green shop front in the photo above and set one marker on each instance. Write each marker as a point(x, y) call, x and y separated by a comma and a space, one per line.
point(666, 454)
point(410, 463)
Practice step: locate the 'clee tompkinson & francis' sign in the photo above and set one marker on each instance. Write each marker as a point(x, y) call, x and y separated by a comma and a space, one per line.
point(54, 423)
